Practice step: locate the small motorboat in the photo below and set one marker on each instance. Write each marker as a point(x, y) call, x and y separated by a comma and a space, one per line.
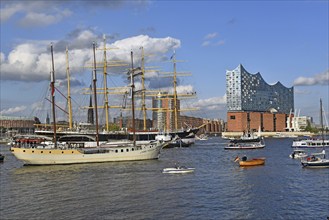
point(202, 137)
point(316, 161)
point(298, 154)
point(178, 169)
point(252, 162)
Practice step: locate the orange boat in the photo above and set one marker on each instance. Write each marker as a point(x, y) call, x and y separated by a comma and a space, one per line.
point(253, 162)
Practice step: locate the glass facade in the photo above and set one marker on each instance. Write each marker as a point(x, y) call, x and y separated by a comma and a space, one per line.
point(249, 92)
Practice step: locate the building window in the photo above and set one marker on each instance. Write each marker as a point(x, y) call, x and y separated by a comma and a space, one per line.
point(232, 117)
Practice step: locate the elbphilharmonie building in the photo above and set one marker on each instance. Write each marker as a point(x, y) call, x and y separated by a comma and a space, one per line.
point(252, 103)
point(249, 92)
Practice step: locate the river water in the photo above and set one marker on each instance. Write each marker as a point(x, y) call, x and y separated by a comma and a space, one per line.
point(218, 189)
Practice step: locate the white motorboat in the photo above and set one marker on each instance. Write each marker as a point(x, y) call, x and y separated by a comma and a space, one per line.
point(298, 154)
point(178, 169)
point(202, 137)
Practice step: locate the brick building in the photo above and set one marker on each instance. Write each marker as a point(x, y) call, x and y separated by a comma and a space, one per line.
point(18, 124)
point(254, 104)
point(266, 121)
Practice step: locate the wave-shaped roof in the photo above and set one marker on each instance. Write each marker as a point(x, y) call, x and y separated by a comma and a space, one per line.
point(258, 75)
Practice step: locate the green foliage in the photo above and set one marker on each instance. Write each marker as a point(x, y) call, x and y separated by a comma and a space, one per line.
point(311, 129)
point(114, 127)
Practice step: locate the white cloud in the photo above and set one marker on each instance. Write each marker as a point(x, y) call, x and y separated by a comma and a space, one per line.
point(13, 110)
point(219, 43)
point(214, 107)
point(31, 61)
point(211, 103)
point(184, 89)
point(210, 36)
point(9, 10)
point(209, 40)
point(2, 57)
point(41, 13)
point(318, 79)
point(206, 43)
point(41, 19)
point(154, 46)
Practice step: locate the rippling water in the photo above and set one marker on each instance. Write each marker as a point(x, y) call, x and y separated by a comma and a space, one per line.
point(218, 189)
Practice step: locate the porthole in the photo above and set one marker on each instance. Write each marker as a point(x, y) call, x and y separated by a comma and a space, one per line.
point(116, 151)
point(132, 149)
point(72, 152)
point(127, 150)
point(23, 150)
point(121, 150)
point(62, 152)
point(50, 152)
point(33, 151)
point(42, 152)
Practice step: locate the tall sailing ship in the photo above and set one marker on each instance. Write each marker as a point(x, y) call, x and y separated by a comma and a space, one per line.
point(142, 136)
point(72, 153)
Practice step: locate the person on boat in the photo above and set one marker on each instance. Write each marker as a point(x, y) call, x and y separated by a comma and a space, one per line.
point(244, 158)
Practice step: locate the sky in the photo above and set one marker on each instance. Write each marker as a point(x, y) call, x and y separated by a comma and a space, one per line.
point(285, 41)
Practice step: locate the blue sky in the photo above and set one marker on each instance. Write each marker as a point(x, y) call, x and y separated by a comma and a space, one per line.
point(285, 41)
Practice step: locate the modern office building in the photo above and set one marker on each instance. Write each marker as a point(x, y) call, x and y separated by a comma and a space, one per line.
point(253, 103)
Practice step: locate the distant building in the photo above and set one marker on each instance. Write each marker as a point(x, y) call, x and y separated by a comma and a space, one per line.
point(299, 123)
point(126, 122)
point(90, 115)
point(254, 104)
point(18, 124)
point(164, 114)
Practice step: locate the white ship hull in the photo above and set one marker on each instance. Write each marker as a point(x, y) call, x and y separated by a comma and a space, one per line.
point(36, 156)
point(310, 143)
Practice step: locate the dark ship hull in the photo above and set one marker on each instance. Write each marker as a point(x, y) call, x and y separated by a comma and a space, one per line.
point(140, 135)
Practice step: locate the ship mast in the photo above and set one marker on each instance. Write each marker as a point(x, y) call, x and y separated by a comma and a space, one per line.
point(143, 89)
point(175, 92)
point(175, 109)
point(321, 122)
point(106, 101)
point(52, 85)
point(68, 89)
point(132, 96)
point(95, 94)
